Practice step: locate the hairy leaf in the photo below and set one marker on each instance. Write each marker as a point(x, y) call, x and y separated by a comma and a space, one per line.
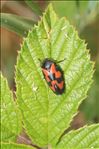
point(15, 146)
point(10, 116)
point(86, 137)
point(45, 114)
point(16, 24)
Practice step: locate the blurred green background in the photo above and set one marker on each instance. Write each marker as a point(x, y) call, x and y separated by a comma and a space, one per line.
point(19, 16)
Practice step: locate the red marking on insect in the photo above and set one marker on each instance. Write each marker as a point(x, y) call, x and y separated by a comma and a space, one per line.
point(53, 70)
point(53, 75)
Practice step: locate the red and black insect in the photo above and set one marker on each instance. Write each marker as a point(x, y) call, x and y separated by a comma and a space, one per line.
point(53, 75)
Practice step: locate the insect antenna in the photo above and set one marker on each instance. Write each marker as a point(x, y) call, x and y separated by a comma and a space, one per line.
point(61, 60)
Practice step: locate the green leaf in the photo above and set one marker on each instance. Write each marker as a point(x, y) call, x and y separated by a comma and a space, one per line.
point(86, 137)
point(46, 115)
point(34, 6)
point(16, 23)
point(90, 107)
point(10, 116)
point(15, 146)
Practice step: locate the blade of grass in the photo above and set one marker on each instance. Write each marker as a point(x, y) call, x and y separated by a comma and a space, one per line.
point(16, 23)
point(34, 6)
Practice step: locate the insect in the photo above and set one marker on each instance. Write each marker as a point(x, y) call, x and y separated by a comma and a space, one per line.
point(53, 75)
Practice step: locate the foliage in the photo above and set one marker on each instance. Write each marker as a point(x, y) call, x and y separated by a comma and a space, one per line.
point(82, 138)
point(11, 117)
point(79, 13)
point(45, 115)
point(76, 13)
point(34, 6)
point(15, 146)
point(16, 23)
